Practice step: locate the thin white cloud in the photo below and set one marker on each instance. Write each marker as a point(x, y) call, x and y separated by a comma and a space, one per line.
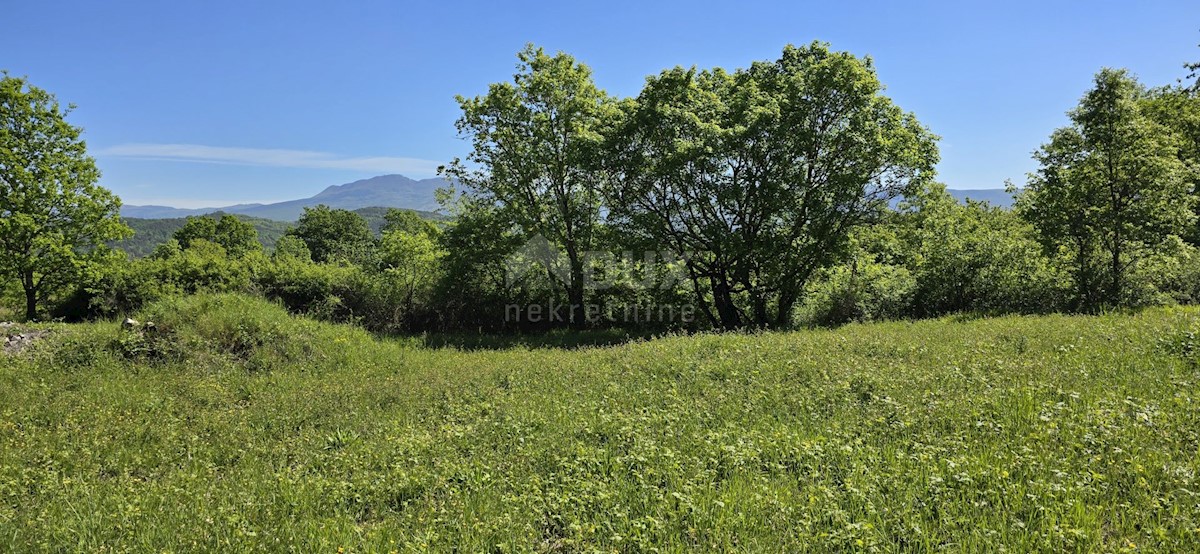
point(271, 157)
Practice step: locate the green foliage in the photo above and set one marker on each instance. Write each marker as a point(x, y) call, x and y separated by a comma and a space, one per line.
point(473, 287)
point(862, 290)
point(322, 290)
point(757, 177)
point(1110, 191)
point(535, 150)
point(409, 221)
point(412, 259)
point(1178, 109)
point(259, 431)
point(334, 234)
point(122, 286)
point(149, 233)
point(976, 258)
point(237, 237)
point(291, 247)
point(1169, 276)
point(54, 218)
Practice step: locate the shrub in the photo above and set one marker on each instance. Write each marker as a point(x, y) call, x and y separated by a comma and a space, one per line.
point(232, 328)
point(860, 291)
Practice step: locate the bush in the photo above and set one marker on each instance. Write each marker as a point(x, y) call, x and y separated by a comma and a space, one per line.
point(123, 286)
point(861, 291)
point(320, 290)
point(977, 258)
point(217, 329)
point(1168, 276)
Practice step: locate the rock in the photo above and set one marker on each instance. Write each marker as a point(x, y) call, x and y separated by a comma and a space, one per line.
point(20, 341)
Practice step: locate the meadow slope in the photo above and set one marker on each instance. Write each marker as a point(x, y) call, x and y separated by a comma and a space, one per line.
point(235, 427)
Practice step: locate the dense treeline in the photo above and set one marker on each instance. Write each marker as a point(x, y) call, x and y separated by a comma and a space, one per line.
point(149, 233)
point(790, 192)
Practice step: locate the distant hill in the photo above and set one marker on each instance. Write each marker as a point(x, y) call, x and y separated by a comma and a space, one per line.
point(167, 212)
point(398, 191)
point(996, 197)
point(151, 232)
point(387, 191)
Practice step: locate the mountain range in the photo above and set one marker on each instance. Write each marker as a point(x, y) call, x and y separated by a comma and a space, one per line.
point(388, 191)
point(398, 191)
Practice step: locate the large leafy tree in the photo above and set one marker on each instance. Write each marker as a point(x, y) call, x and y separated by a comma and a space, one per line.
point(1111, 188)
point(534, 147)
point(333, 234)
point(473, 286)
point(237, 237)
point(757, 177)
point(408, 221)
point(53, 215)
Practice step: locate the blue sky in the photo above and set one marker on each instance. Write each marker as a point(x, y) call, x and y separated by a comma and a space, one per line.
point(191, 103)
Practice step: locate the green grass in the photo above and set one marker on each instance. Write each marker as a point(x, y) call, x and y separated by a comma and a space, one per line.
point(237, 428)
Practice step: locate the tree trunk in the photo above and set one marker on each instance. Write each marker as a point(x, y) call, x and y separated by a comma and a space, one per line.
point(787, 301)
point(575, 292)
point(761, 319)
point(700, 301)
point(1115, 295)
point(723, 299)
point(30, 296)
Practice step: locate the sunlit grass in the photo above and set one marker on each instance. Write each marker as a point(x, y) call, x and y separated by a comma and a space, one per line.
point(235, 427)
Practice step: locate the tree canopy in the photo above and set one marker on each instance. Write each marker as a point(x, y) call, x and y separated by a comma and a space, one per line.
point(1110, 190)
point(237, 237)
point(535, 143)
point(53, 215)
point(756, 177)
point(331, 233)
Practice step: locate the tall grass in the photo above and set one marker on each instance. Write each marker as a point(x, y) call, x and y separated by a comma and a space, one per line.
point(234, 427)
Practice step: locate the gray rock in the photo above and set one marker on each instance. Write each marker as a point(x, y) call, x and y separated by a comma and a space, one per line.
point(17, 342)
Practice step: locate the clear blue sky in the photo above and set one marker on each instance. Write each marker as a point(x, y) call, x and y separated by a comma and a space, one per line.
point(200, 103)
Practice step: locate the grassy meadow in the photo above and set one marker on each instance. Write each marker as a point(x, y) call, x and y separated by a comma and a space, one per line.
point(234, 427)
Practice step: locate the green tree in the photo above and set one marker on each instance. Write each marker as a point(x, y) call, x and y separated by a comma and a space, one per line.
point(1178, 109)
point(54, 218)
point(237, 237)
point(291, 248)
point(757, 177)
point(1111, 189)
point(974, 257)
point(535, 142)
point(408, 221)
point(412, 265)
point(474, 289)
point(333, 234)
